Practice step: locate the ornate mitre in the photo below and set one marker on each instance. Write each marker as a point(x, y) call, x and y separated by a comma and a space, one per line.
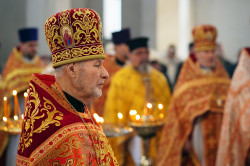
point(204, 37)
point(74, 35)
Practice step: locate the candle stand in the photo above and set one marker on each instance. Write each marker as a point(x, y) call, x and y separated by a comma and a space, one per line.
point(146, 131)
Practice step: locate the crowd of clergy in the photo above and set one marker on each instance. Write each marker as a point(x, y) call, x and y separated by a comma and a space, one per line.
point(205, 99)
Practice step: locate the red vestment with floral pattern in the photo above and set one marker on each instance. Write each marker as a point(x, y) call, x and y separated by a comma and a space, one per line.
point(54, 134)
point(195, 95)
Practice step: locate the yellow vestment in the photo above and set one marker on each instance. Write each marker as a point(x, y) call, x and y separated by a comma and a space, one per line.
point(127, 92)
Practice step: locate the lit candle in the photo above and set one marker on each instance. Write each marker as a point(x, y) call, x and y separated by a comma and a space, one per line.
point(95, 116)
point(160, 106)
point(101, 120)
point(149, 106)
point(120, 117)
point(137, 117)
point(16, 105)
point(15, 117)
point(5, 106)
point(25, 99)
point(132, 114)
point(98, 119)
point(161, 115)
point(15, 102)
point(4, 119)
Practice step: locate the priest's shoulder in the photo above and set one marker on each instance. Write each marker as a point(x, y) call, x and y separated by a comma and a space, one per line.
point(124, 72)
point(159, 75)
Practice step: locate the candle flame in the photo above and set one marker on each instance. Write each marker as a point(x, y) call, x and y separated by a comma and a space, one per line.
point(5, 98)
point(25, 94)
point(101, 120)
point(4, 119)
point(137, 117)
point(14, 92)
point(161, 115)
point(120, 116)
point(160, 106)
point(15, 117)
point(96, 116)
point(149, 105)
point(133, 112)
point(22, 116)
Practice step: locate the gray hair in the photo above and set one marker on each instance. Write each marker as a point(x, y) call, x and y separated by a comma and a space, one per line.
point(59, 71)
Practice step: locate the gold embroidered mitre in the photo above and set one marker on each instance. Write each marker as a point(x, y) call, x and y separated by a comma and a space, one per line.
point(204, 37)
point(74, 35)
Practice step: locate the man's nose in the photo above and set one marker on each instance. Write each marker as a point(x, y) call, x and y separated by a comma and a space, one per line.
point(105, 74)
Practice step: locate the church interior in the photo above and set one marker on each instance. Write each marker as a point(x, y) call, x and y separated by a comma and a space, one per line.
point(200, 102)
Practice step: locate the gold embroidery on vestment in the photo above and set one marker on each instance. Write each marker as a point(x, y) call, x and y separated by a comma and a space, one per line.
point(33, 112)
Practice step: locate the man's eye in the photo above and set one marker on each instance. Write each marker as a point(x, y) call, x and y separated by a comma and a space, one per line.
point(97, 65)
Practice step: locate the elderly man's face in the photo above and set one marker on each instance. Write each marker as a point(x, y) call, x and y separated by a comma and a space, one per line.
point(90, 76)
point(139, 58)
point(29, 49)
point(206, 58)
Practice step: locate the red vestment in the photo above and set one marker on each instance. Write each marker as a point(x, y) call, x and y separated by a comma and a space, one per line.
point(235, 132)
point(195, 95)
point(54, 134)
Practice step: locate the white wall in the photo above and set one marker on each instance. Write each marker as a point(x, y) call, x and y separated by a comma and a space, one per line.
point(148, 21)
point(131, 16)
point(37, 13)
point(12, 16)
point(232, 20)
point(166, 24)
point(157, 19)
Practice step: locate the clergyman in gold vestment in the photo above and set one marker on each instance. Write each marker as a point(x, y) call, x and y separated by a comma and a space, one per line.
point(191, 133)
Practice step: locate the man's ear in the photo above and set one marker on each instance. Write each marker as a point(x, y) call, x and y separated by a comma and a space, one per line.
point(71, 69)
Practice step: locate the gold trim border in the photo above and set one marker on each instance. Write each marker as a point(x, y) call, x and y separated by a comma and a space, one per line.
point(200, 82)
point(78, 59)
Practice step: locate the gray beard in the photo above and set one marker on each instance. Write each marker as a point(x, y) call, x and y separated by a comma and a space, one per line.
point(144, 69)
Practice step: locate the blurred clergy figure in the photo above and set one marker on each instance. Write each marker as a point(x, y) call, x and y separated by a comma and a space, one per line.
point(113, 63)
point(134, 85)
point(21, 64)
point(234, 142)
point(191, 133)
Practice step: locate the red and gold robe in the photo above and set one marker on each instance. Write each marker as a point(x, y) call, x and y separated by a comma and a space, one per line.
point(195, 95)
point(235, 132)
point(16, 76)
point(112, 67)
point(54, 134)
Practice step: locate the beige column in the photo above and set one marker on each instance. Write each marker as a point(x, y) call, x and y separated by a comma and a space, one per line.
point(174, 24)
point(185, 26)
point(166, 23)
